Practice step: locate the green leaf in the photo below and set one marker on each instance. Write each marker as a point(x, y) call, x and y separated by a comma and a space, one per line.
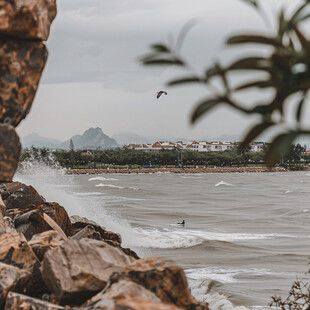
point(300, 106)
point(160, 48)
point(251, 63)
point(253, 39)
point(279, 147)
point(257, 84)
point(175, 62)
point(295, 16)
point(185, 80)
point(205, 106)
point(254, 133)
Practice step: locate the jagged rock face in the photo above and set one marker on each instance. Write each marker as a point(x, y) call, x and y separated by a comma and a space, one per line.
point(17, 195)
point(85, 268)
point(165, 279)
point(27, 19)
point(11, 278)
point(21, 65)
point(18, 301)
point(15, 251)
point(9, 150)
point(78, 223)
point(41, 243)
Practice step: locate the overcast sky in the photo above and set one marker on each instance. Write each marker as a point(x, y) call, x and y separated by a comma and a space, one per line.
point(93, 76)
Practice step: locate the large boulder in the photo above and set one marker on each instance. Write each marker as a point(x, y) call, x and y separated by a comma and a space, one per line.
point(21, 64)
point(27, 19)
point(78, 223)
point(11, 279)
point(15, 251)
point(45, 241)
point(16, 301)
point(77, 270)
point(19, 196)
point(165, 279)
point(9, 147)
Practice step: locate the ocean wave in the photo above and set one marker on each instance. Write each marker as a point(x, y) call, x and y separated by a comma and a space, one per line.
point(102, 179)
point(89, 194)
point(116, 187)
point(223, 183)
point(185, 238)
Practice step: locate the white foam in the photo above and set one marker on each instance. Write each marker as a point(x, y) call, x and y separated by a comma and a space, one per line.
point(116, 187)
point(102, 179)
point(185, 238)
point(223, 183)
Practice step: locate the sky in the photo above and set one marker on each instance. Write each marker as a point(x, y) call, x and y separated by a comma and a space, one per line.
point(93, 77)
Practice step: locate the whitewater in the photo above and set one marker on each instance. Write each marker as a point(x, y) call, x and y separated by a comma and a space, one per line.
point(246, 235)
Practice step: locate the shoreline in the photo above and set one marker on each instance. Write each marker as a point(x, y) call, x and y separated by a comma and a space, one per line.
point(180, 170)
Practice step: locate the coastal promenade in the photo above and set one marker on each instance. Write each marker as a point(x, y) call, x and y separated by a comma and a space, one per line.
point(178, 170)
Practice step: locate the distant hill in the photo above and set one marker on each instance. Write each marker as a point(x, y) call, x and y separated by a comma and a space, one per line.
point(129, 138)
point(92, 138)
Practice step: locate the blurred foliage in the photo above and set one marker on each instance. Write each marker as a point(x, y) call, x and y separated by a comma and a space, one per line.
point(286, 71)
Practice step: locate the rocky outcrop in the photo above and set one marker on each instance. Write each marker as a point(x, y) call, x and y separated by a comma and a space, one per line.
point(162, 277)
point(85, 268)
point(27, 19)
point(9, 149)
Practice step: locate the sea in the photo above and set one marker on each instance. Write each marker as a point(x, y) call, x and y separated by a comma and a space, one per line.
point(246, 235)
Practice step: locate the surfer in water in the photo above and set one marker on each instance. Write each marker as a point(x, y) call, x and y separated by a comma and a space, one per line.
point(182, 223)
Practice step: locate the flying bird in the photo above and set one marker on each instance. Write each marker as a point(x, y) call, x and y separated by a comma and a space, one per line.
point(160, 93)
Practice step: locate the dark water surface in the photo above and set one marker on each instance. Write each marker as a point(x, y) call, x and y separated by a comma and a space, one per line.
point(246, 236)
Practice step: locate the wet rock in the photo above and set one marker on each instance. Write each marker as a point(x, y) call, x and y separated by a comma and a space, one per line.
point(15, 251)
point(9, 145)
point(79, 223)
point(77, 270)
point(19, 196)
point(11, 279)
point(21, 65)
point(41, 243)
point(166, 280)
point(18, 301)
point(127, 251)
point(31, 223)
point(58, 214)
point(87, 232)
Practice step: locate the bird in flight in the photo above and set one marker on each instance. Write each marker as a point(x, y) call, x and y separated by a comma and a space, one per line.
point(160, 93)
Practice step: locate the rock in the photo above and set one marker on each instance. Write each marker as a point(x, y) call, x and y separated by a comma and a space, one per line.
point(16, 301)
point(11, 279)
point(166, 280)
point(41, 243)
point(9, 224)
point(77, 270)
point(79, 223)
point(132, 304)
point(31, 223)
point(87, 232)
point(9, 141)
point(22, 63)
point(27, 19)
point(127, 251)
point(15, 251)
point(58, 214)
point(17, 195)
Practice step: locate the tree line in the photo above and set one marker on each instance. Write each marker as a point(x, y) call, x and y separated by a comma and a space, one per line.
point(137, 158)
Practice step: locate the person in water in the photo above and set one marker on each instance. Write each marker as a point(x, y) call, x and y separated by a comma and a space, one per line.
point(182, 223)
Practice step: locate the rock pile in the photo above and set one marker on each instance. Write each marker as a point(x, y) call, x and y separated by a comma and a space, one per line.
point(74, 263)
point(49, 260)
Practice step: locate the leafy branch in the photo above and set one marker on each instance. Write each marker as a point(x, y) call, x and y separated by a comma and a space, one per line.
point(286, 69)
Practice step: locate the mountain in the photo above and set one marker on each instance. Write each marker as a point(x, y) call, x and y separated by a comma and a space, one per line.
point(92, 138)
point(34, 139)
